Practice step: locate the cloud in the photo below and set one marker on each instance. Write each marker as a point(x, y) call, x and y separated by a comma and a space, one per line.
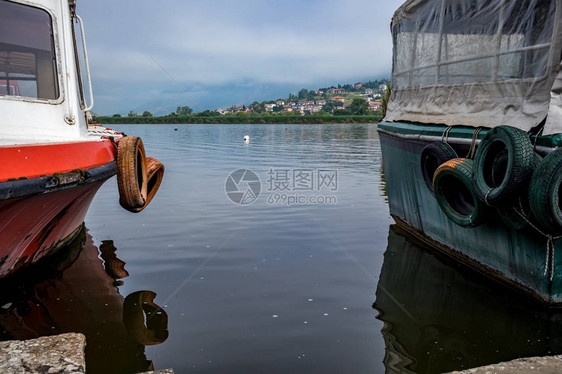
point(217, 44)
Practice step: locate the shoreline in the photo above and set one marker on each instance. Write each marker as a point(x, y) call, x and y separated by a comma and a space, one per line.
point(237, 120)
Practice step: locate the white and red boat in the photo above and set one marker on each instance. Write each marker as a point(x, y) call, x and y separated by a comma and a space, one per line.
point(52, 159)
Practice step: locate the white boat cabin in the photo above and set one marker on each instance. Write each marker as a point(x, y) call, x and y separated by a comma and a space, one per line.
point(41, 91)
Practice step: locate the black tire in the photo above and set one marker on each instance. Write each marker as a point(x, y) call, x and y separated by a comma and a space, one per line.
point(545, 193)
point(518, 216)
point(455, 194)
point(503, 165)
point(432, 156)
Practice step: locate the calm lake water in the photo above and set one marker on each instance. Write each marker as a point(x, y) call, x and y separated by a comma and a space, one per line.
point(302, 273)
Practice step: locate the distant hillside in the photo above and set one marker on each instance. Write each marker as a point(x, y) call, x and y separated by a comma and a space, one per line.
point(334, 104)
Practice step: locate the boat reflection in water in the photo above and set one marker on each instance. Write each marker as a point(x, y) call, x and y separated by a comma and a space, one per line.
point(77, 292)
point(439, 317)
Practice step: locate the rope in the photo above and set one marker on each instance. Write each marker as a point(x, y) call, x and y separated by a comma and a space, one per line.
point(550, 249)
point(472, 149)
point(112, 140)
point(486, 198)
point(537, 139)
point(445, 136)
point(549, 266)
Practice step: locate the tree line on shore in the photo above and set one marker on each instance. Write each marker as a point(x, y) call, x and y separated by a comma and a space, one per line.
point(239, 118)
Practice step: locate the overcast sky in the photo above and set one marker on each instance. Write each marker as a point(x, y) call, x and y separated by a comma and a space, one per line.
point(226, 52)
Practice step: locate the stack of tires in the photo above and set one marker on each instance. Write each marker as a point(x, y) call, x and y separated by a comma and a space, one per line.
point(506, 175)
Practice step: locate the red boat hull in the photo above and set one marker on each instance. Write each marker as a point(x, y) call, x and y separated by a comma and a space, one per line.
point(41, 210)
point(32, 227)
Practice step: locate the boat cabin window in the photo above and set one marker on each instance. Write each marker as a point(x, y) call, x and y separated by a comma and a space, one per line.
point(27, 53)
point(453, 42)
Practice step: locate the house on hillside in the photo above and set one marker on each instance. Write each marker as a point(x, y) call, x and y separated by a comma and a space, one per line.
point(375, 106)
point(369, 91)
point(238, 108)
point(269, 107)
point(358, 85)
point(336, 91)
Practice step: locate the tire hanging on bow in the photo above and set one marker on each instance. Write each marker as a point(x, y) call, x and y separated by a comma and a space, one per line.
point(503, 165)
point(432, 156)
point(131, 173)
point(455, 193)
point(545, 193)
point(155, 174)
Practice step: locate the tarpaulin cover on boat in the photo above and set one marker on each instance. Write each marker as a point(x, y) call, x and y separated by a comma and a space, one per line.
point(478, 63)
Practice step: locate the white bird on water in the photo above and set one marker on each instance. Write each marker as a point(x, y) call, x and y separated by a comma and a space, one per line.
point(246, 138)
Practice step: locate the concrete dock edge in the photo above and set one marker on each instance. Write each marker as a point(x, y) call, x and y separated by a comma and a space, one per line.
point(539, 365)
point(61, 354)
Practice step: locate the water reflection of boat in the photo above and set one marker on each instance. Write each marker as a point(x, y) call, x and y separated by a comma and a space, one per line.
point(439, 318)
point(76, 292)
point(53, 158)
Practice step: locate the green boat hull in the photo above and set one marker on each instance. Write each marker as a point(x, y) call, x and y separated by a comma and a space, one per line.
point(515, 257)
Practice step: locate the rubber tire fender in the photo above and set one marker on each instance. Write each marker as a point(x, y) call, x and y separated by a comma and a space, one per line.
point(545, 191)
point(518, 216)
point(155, 174)
point(454, 192)
point(131, 173)
point(432, 156)
point(503, 165)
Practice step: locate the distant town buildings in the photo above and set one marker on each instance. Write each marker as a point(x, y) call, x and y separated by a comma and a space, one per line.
point(335, 91)
point(332, 99)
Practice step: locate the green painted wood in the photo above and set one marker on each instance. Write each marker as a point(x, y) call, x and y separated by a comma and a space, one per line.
point(516, 256)
point(462, 132)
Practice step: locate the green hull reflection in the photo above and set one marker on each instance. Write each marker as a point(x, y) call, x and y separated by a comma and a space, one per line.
point(439, 316)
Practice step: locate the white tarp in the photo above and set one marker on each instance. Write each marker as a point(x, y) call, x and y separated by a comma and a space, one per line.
point(477, 63)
